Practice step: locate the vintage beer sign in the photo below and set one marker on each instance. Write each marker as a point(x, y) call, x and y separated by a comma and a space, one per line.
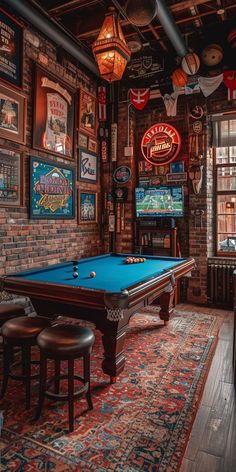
point(160, 144)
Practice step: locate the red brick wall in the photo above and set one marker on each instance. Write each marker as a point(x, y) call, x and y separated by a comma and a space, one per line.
point(194, 240)
point(26, 243)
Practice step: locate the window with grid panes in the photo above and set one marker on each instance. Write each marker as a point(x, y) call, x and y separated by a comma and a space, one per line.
point(224, 139)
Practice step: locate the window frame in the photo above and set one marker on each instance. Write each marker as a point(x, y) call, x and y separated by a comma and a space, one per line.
point(215, 201)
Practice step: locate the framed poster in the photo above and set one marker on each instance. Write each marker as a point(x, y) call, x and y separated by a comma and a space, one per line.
point(92, 145)
point(11, 178)
point(87, 206)
point(82, 140)
point(176, 167)
point(52, 190)
point(87, 113)
point(88, 166)
point(11, 58)
point(54, 105)
point(12, 114)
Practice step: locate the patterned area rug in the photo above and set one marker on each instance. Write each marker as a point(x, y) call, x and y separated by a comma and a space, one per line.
point(140, 423)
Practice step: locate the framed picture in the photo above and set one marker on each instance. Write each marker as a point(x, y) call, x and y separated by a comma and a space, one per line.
point(11, 178)
point(82, 140)
point(54, 107)
point(177, 177)
point(87, 206)
point(87, 113)
point(11, 57)
point(176, 167)
point(52, 190)
point(88, 166)
point(12, 114)
point(92, 145)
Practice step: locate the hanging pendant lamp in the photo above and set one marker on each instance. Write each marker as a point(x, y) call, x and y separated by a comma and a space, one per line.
point(110, 49)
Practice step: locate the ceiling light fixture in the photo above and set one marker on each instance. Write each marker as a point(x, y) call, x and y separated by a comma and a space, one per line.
point(110, 49)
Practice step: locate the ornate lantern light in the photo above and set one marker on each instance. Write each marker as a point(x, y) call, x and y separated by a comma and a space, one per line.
point(110, 49)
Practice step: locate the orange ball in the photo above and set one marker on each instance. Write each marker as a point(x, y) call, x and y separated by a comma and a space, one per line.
point(92, 274)
point(179, 78)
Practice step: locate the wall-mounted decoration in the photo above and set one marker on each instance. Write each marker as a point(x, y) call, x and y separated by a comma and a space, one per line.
point(87, 206)
point(92, 145)
point(82, 140)
point(11, 179)
point(197, 127)
point(160, 144)
point(122, 175)
point(88, 166)
point(196, 175)
point(120, 194)
point(114, 131)
point(10, 49)
point(52, 190)
point(87, 120)
point(53, 115)
point(196, 112)
point(176, 167)
point(104, 150)
point(12, 114)
point(176, 177)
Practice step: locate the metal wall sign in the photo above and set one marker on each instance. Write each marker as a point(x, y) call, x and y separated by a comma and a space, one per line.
point(122, 175)
point(160, 144)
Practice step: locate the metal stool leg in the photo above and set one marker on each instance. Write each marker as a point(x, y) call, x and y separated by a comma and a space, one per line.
point(71, 393)
point(87, 379)
point(42, 384)
point(7, 354)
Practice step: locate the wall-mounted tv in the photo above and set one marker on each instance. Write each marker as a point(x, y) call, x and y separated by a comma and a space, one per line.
point(156, 202)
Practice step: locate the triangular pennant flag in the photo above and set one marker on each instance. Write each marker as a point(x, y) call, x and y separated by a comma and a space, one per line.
point(230, 83)
point(139, 97)
point(209, 84)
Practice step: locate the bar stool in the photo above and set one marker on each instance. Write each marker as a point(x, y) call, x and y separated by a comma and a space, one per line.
point(10, 310)
point(21, 332)
point(65, 343)
point(7, 312)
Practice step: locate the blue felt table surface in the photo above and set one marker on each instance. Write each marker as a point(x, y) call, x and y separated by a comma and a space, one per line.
point(112, 274)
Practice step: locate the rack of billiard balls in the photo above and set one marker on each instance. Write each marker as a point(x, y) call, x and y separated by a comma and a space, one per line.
point(134, 260)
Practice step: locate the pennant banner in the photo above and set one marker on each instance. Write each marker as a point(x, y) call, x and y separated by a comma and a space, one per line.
point(139, 97)
point(102, 112)
point(230, 83)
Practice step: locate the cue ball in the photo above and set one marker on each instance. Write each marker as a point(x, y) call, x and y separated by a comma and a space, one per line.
point(75, 275)
point(92, 274)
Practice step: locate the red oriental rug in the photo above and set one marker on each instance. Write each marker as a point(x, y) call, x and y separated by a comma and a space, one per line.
point(140, 423)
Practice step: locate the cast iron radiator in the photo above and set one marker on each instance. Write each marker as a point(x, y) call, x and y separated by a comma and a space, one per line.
point(220, 283)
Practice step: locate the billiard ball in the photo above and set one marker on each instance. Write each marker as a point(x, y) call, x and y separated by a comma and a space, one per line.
point(75, 275)
point(92, 274)
point(75, 267)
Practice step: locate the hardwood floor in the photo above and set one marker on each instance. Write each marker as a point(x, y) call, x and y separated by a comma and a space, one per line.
point(211, 446)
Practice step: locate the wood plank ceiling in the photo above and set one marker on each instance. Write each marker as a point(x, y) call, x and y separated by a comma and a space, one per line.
point(199, 21)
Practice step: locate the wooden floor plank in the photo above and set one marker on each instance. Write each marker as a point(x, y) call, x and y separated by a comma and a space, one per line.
point(211, 446)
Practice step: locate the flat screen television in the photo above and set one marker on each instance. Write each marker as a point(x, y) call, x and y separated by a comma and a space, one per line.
point(156, 202)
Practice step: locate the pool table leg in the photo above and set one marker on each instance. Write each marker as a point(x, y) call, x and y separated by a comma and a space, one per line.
point(113, 342)
point(166, 304)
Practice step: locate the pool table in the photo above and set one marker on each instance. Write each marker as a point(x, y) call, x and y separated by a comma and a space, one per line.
point(109, 299)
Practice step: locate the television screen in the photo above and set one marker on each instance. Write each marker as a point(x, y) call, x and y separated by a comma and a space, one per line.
point(159, 202)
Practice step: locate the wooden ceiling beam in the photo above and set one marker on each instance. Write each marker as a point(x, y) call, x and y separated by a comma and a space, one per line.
point(71, 5)
point(94, 32)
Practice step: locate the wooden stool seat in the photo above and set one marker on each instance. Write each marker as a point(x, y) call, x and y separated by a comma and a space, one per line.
point(10, 310)
point(23, 332)
point(23, 329)
point(65, 342)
